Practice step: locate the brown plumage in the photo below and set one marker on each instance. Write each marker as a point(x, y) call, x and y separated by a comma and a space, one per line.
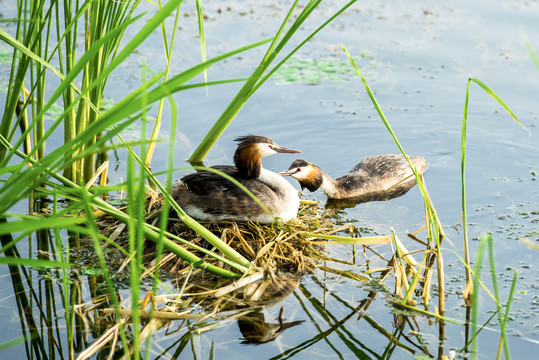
point(208, 196)
point(375, 177)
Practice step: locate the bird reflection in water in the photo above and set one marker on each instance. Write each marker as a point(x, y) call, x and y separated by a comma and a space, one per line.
point(256, 330)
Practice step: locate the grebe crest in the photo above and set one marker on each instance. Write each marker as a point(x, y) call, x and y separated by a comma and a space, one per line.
point(251, 149)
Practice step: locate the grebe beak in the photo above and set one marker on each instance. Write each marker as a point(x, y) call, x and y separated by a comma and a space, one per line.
point(282, 149)
point(288, 172)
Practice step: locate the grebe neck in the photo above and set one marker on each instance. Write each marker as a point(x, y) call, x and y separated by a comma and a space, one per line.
point(289, 203)
point(328, 185)
point(277, 183)
point(248, 161)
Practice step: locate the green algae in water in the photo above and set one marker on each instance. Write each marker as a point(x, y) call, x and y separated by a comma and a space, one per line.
point(6, 55)
point(92, 271)
point(313, 71)
point(3, 86)
point(54, 112)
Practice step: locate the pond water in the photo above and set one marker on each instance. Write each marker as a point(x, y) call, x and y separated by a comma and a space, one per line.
point(417, 58)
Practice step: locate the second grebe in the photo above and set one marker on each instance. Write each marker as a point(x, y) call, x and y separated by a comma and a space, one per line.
point(210, 197)
point(378, 177)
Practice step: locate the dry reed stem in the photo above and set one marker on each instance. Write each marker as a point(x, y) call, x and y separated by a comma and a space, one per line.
point(103, 169)
point(164, 260)
point(530, 244)
point(345, 273)
point(145, 314)
point(110, 334)
point(413, 286)
point(441, 283)
point(77, 309)
point(377, 269)
point(467, 294)
point(405, 254)
point(426, 287)
point(236, 285)
point(119, 229)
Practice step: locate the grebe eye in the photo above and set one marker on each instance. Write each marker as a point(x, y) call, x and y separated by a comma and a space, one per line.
point(298, 170)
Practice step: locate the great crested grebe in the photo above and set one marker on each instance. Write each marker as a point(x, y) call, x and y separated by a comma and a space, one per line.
point(210, 197)
point(378, 177)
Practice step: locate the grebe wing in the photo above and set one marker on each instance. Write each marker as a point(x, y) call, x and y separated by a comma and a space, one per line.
point(205, 183)
point(208, 196)
point(386, 165)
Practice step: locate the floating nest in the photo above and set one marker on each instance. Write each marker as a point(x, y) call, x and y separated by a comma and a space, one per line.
point(282, 251)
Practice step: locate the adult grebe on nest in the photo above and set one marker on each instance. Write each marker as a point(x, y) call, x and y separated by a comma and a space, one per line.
point(210, 197)
point(378, 177)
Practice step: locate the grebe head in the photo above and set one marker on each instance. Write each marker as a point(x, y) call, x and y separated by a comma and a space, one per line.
point(309, 175)
point(251, 149)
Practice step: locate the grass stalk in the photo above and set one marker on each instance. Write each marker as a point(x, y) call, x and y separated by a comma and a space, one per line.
point(503, 323)
point(463, 159)
point(478, 265)
point(202, 36)
point(529, 49)
point(117, 214)
point(433, 224)
point(168, 56)
point(257, 78)
point(70, 38)
point(503, 344)
point(484, 241)
point(63, 255)
point(108, 280)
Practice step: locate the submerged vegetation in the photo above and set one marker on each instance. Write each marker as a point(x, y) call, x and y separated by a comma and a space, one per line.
point(221, 272)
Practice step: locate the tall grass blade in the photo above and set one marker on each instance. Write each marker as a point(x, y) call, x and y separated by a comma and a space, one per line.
point(202, 37)
point(168, 55)
point(435, 231)
point(463, 157)
point(94, 231)
point(505, 320)
point(478, 265)
point(529, 49)
point(5, 260)
point(122, 110)
point(148, 231)
point(257, 78)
